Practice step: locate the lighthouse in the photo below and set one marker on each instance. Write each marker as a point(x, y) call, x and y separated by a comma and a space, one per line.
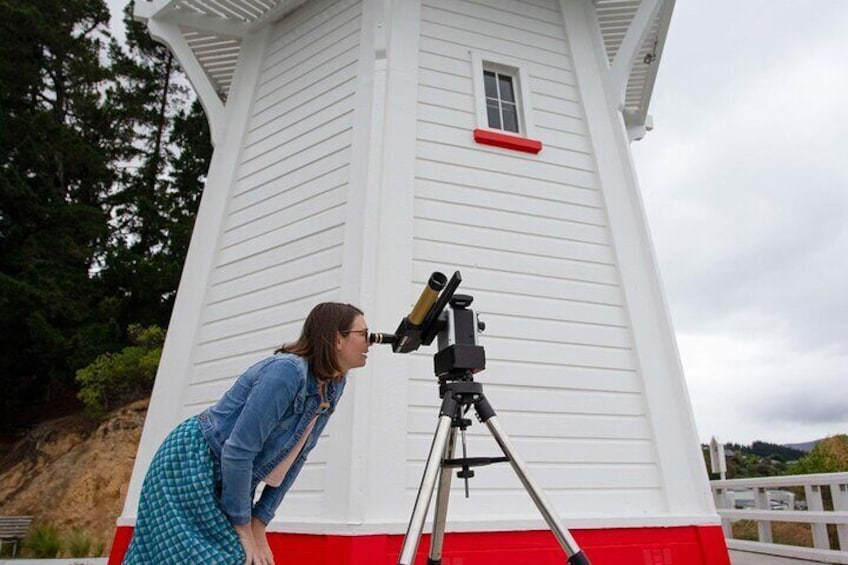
point(361, 145)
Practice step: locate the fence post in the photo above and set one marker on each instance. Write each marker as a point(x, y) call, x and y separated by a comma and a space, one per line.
point(814, 502)
point(839, 492)
point(763, 526)
point(722, 500)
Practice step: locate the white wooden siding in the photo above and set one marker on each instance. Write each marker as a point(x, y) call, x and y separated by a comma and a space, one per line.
point(530, 234)
point(280, 249)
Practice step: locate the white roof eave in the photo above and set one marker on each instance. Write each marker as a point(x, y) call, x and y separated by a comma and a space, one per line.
point(211, 34)
point(212, 31)
point(615, 17)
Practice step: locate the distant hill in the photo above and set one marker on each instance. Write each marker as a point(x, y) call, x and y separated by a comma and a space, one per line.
point(764, 449)
point(806, 447)
point(763, 459)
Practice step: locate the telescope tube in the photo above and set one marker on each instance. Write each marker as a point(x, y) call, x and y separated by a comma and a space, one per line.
point(428, 298)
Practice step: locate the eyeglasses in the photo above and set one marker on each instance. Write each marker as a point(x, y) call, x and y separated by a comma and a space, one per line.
point(364, 333)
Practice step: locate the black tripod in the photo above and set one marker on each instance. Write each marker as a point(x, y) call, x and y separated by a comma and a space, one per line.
point(458, 358)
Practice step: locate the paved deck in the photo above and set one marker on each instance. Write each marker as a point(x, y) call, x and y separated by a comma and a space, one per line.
point(736, 558)
point(748, 558)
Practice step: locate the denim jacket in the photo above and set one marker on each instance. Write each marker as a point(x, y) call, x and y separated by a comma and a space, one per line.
point(255, 425)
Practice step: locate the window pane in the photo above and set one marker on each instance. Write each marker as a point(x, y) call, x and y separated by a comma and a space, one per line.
point(505, 82)
point(494, 114)
point(510, 118)
point(501, 100)
point(491, 87)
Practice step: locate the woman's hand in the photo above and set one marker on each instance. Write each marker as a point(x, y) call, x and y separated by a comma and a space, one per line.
point(263, 550)
point(245, 536)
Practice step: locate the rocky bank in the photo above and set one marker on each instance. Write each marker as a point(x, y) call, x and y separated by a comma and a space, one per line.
point(73, 473)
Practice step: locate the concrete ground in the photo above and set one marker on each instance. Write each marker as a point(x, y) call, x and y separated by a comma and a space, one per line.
point(747, 558)
point(736, 558)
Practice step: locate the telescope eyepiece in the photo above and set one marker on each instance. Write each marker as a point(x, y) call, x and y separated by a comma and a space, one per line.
point(382, 338)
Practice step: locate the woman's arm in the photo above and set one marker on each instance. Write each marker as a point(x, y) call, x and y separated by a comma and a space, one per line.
point(271, 497)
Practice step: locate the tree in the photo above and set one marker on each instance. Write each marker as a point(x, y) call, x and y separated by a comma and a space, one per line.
point(57, 143)
point(829, 455)
point(775, 451)
point(101, 170)
point(167, 151)
point(117, 378)
point(756, 460)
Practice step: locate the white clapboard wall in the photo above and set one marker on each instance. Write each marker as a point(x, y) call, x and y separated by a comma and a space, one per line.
point(278, 245)
point(531, 237)
point(346, 170)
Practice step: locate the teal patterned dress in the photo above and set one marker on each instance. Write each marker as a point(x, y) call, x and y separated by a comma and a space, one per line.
point(180, 520)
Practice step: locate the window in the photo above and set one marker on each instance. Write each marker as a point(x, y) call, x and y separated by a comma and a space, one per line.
point(501, 106)
point(502, 103)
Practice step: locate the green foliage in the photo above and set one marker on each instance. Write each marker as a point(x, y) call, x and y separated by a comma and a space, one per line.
point(98, 549)
point(830, 455)
point(79, 544)
point(775, 451)
point(116, 378)
point(760, 459)
point(785, 533)
point(56, 147)
point(742, 464)
point(154, 200)
point(43, 541)
point(7, 549)
point(102, 163)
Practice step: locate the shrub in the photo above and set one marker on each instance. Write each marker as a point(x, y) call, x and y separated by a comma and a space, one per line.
point(829, 455)
point(788, 533)
point(98, 549)
point(116, 378)
point(43, 541)
point(79, 544)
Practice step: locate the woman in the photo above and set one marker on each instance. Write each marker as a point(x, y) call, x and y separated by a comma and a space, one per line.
point(196, 503)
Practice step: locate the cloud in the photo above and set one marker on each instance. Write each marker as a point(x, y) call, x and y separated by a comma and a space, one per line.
point(751, 387)
point(744, 182)
point(818, 405)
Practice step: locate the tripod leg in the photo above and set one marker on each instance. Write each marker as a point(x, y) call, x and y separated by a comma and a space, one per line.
point(442, 495)
point(563, 537)
point(425, 491)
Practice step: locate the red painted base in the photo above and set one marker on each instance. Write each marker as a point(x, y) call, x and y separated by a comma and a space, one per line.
point(681, 545)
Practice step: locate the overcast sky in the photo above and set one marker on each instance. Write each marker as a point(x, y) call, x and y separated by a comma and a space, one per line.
point(745, 183)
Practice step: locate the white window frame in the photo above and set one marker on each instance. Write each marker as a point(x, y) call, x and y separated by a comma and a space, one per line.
point(518, 70)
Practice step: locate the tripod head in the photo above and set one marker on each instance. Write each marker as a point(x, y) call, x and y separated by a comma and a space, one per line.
point(440, 312)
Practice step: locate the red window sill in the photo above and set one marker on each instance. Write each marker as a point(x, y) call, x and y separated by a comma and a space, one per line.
point(488, 137)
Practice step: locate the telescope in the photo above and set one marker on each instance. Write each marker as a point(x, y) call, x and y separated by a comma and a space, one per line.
point(418, 327)
point(457, 328)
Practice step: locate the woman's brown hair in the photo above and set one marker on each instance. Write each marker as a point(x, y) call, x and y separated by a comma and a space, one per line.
point(317, 341)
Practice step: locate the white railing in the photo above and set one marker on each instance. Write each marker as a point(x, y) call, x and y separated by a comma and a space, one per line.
point(768, 506)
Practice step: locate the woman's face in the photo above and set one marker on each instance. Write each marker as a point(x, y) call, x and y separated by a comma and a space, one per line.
point(352, 345)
